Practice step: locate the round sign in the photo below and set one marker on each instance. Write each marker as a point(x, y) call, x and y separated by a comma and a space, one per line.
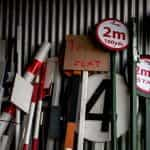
point(93, 128)
point(143, 75)
point(112, 34)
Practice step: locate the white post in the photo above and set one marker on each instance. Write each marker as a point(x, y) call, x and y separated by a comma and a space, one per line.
point(82, 110)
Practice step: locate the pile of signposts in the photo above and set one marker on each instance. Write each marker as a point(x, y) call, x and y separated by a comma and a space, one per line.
point(103, 110)
point(21, 100)
point(55, 106)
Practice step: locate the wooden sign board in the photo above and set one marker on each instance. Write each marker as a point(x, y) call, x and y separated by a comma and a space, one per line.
point(82, 54)
point(93, 127)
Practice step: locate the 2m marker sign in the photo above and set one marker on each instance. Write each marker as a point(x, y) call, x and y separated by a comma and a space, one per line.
point(143, 76)
point(112, 34)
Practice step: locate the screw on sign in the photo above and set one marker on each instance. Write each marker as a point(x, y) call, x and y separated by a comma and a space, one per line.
point(112, 34)
point(143, 75)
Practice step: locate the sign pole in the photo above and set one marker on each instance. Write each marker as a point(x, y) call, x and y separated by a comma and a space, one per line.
point(113, 35)
point(39, 102)
point(72, 103)
point(55, 113)
point(19, 70)
point(133, 97)
point(83, 110)
point(121, 143)
point(114, 114)
point(147, 100)
point(147, 123)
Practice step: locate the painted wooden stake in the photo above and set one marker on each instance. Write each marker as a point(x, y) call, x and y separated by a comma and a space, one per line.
point(19, 70)
point(81, 132)
point(31, 116)
point(71, 120)
point(55, 108)
point(35, 141)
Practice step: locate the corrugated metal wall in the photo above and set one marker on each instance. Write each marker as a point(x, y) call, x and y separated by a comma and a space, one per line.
point(52, 19)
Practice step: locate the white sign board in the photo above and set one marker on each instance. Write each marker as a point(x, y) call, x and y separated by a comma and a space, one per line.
point(93, 128)
point(22, 93)
point(50, 70)
point(112, 34)
point(143, 75)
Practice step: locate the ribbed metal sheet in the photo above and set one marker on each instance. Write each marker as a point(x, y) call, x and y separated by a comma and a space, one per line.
point(51, 20)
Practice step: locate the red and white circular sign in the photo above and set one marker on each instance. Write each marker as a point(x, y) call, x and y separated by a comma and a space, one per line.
point(143, 75)
point(112, 34)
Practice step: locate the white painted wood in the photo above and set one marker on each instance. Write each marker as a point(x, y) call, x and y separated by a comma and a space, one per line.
point(93, 128)
point(99, 146)
point(82, 110)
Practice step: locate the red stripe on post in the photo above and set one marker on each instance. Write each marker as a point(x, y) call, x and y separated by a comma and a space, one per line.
point(35, 67)
point(35, 144)
point(35, 93)
point(11, 110)
point(42, 80)
point(25, 147)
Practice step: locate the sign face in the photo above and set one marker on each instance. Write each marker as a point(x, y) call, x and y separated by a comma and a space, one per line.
point(22, 93)
point(112, 34)
point(143, 75)
point(82, 54)
point(96, 129)
point(50, 69)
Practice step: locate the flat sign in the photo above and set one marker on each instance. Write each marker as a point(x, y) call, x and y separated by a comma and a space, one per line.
point(112, 34)
point(82, 54)
point(22, 93)
point(97, 130)
point(143, 76)
point(50, 69)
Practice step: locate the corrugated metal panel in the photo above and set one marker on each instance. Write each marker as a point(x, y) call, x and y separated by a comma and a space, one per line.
point(53, 19)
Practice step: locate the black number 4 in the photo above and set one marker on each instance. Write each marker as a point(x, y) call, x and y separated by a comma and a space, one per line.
point(106, 116)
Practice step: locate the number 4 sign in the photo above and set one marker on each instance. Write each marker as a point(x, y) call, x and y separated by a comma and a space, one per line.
point(97, 129)
point(112, 34)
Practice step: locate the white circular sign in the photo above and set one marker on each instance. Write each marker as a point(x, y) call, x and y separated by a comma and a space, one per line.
point(93, 128)
point(112, 34)
point(143, 75)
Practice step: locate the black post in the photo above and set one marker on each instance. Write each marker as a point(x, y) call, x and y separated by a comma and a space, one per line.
point(114, 114)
